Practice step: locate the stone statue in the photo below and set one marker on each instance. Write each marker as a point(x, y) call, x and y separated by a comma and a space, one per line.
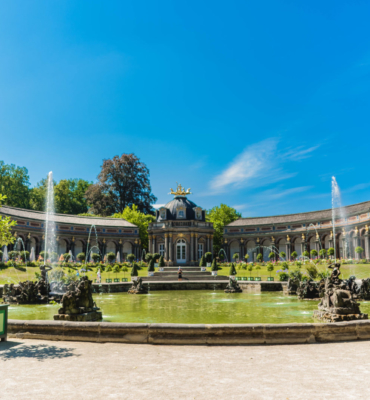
point(44, 270)
point(339, 300)
point(27, 292)
point(292, 287)
point(233, 286)
point(137, 287)
point(308, 289)
point(78, 304)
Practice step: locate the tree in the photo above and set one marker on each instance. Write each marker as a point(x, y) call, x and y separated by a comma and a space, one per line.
point(322, 253)
point(138, 218)
point(95, 257)
point(124, 269)
point(151, 267)
point(116, 269)
point(331, 251)
point(312, 271)
point(214, 266)
point(250, 269)
point(123, 182)
point(69, 195)
point(131, 257)
point(6, 225)
point(306, 254)
point(246, 257)
point(271, 255)
point(208, 257)
point(282, 254)
point(220, 216)
point(161, 262)
point(259, 257)
point(294, 255)
point(314, 253)
point(111, 257)
point(109, 269)
point(66, 257)
point(232, 270)
point(156, 257)
point(270, 268)
point(236, 257)
point(81, 257)
point(134, 270)
point(359, 250)
point(14, 185)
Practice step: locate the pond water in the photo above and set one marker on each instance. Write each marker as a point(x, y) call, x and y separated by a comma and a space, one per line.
point(191, 307)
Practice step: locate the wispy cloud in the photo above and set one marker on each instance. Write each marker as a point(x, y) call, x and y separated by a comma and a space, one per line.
point(278, 194)
point(258, 165)
point(158, 205)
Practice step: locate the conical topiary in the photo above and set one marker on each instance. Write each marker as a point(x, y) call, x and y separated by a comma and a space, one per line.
point(134, 270)
point(232, 270)
point(202, 262)
point(161, 262)
point(214, 266)
point(151, 266)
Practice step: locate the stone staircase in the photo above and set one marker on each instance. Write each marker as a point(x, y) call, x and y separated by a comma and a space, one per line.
point(189, 274)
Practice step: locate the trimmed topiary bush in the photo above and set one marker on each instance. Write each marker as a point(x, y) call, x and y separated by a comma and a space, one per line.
point(156, 257)
point(151, 267)
point(270, 268)
point(161, 262)
point(131, 257)
point(148, 257)
point(322, 253)
point(110, 257)
point(95, 257)
point(294, 255)
point(282, 254)
point(359, 250)
point(214, 266)
point(331, 251)
point(208, 256)
point(259, 257)
point(246, 257)
point(306, 254)
point(236, 256)
point(232, 270)
point(81, 257)
point(134, 270)
point(314, 253)
point(272, 255)
point(202, 262)
point(25, 255)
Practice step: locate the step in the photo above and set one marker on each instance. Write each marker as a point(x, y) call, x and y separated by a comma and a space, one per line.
point(190, 273)
point(184, 278)
point(185, 269)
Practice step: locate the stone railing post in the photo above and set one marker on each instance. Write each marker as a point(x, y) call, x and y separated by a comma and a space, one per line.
point(170, 245)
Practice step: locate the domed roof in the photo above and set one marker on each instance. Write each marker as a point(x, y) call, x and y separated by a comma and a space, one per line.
point(173, 205)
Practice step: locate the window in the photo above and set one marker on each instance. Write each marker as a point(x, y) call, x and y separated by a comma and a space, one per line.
point(161, 250)
point(200, 250)
point(163, 213)
point(199, 215)
point(181, 213)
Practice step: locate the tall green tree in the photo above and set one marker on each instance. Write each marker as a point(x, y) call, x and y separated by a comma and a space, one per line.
point(14, 185)
point(138, 218)
point(123, 181)
point(221, 216)
point(69, 196)
point(6, 225)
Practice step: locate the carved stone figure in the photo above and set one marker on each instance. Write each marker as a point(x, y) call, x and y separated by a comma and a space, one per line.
point(308, 290)
point(339, 300)
point(233, 286)
point(78, 304)
point(27, 292)
point(137, 287)
point(292, 286)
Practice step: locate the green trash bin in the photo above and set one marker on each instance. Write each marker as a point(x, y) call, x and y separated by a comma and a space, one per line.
point(4, 322)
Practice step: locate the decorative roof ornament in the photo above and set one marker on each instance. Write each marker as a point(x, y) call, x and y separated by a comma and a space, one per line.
point(180, 191)
point(367, 228)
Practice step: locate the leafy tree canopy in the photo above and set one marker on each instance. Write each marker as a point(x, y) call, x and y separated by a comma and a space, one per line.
point(133, 215)
point(14, 184)
point(69, 195)
point(6, 224)
point(123, 181)
point(221, 216)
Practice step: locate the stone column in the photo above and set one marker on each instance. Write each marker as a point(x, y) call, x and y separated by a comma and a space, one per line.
point(367, 245)
point(73, 247)
point(154, 248)
point(208, 246)
point(355, 244)
point(241, 250)
point(170, 257)
point(166, 252)
point(149, 243)
point(287, 250)
point(192, 248)
point(196, 247)
point(345, 249)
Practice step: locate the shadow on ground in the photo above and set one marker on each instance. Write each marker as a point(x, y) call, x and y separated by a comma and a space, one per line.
point(40, 352)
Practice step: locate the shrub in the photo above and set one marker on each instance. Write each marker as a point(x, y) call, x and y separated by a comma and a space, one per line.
point(3, 265)
point(156, 257)
point(148, 257)
point(258, 267)
point(13, 255)
point(134, 270)
point(270, 268)
point(66, 257)
point(221, 256)
point(81, 257)
point(161, 262)
point(214, 266)
point(285, 265)
point(116, 269)
point(313, 253)
point(246, 257)
point(312, 271)
point(1, 255)
point(25, 255)
point(359, 250)
point(20, 268)
point(151, 265)
point(259, 257)
point(109, 269)
point(202, 262)
point(131, 257)
point(324, 275)
point(44, 254)
point(208, 256)
point(296, 274)
point(322, 253)
point(250, 268)
point(95, 257)
point(306, 254)
point(294, 255)
point(283, 276)
point(272, 255)
point(331, 251)
point(232, 270)
point(124, 269)
point(282, 254)
point(236, 256)
point(110, 257)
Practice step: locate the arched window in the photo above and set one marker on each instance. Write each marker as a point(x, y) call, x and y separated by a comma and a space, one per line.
point(181, 251)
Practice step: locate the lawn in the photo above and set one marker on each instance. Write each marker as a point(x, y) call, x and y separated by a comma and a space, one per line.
point(12, 275)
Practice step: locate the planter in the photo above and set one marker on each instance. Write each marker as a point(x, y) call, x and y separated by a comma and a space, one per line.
point(257, 278)
point(150, 273)
point(238, 278)
point(108, 280)
point(115, 280)
point(244, 278)
point(203, 269)
point(270, 278)
point(4, 322)
point(133, 278)
point(124, 279)
point(214, 273)
point(250, 278)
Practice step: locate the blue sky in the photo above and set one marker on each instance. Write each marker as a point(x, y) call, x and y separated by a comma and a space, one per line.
point(253, 104)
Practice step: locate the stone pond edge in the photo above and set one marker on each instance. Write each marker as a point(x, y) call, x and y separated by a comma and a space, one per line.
point(190, 334)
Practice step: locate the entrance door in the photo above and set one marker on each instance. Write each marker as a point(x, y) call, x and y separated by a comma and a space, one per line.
point(181, 251)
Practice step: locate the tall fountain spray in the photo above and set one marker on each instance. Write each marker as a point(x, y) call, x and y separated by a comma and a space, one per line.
point(50, 229)
point(337, 208)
